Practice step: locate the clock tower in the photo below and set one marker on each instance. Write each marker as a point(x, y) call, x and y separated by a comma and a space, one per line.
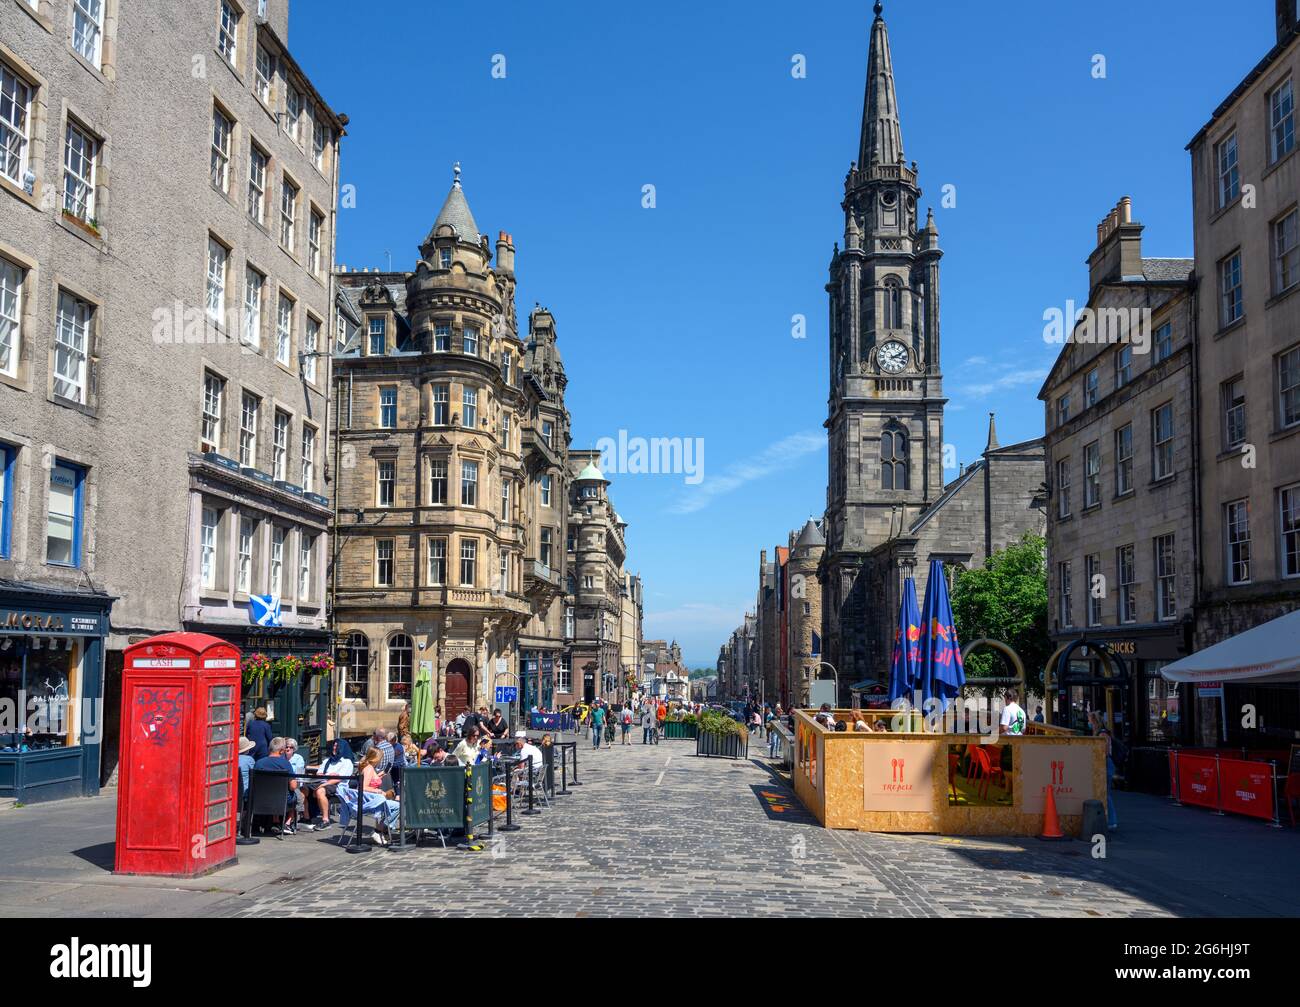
point(885, 409)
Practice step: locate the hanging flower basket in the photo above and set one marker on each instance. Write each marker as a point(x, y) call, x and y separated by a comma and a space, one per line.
point(321, 664)
point(257, 667)
point(287, 668)
point(260, 667)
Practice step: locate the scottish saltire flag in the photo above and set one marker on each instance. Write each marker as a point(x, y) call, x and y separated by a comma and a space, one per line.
point(942, 674)
point(264, 609)
point(816, 645)
point(905, 666)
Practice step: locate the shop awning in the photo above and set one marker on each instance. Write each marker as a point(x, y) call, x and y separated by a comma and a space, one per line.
point(1267, 653)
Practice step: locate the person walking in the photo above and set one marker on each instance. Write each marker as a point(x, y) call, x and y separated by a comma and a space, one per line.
point(647, 723)
point(597, 719)
point(625, 722)
point(611, 725)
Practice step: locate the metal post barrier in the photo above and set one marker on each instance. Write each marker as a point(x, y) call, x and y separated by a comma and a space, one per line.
point(510, 825)
point(1276, 823)
point(564, 768)
point(357, 845)
point(529, 770)
point(575, 765)
point(1218, 786)
point(548, 778)
point(1177, 788)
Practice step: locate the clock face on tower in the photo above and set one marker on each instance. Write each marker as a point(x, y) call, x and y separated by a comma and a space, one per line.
point(892, 357)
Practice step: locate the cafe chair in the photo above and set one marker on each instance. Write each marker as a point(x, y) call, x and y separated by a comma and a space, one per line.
point(268, 795)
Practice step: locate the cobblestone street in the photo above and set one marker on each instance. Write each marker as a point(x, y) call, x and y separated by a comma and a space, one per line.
point(657, 831)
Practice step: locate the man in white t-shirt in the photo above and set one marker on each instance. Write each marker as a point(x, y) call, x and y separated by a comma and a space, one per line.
point(525, 749)
point(1013, 717)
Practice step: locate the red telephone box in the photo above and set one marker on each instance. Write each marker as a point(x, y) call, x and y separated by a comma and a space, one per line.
point(178, 783)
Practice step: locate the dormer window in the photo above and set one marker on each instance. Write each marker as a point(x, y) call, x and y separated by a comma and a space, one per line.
point(444, 258)
point(377, 332)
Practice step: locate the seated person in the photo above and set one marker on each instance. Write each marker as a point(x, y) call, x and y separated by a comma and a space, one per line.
point(860, 725)
point(374, 800)
point(466, 751)
point(525, 749)
point(498, 726)
point(338, 762)
point(437, 756)
point(246, 762)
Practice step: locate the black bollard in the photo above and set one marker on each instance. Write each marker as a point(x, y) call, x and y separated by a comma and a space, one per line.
point(575, 765)
point(564, 770)
point(510, 825)
point(358, 844)
point(529, 770)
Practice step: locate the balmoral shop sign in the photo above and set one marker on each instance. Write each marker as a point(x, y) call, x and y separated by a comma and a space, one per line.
point(38, 622)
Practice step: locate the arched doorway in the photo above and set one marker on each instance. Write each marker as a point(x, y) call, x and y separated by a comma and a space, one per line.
point(456, 700)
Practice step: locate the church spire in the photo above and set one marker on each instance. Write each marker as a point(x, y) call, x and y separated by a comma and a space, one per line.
point(992, 444)
point(882, 136)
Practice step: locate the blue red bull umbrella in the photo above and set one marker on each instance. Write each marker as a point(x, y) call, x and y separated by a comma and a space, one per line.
point(905, 666)
point(942, 674)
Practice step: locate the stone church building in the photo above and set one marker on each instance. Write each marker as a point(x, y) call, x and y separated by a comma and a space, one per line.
point(888, 510)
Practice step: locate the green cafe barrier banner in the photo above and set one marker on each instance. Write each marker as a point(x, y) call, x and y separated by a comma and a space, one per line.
point(433, 797)
point(478, 792)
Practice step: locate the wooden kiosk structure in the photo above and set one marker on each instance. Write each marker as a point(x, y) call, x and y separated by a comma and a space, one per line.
point(914, 778)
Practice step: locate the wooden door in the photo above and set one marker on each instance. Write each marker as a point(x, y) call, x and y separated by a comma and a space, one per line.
point(457, 692)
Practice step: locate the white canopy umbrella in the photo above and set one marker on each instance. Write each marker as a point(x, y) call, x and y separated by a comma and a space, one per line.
point(1267, 653)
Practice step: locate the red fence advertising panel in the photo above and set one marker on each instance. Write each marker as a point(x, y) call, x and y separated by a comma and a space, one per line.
point(1247, 787)
point(1197, 780)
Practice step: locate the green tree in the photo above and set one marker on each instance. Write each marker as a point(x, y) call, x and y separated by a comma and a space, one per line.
point(1006, 599)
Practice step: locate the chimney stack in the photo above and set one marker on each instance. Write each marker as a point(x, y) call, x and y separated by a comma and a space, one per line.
point(1119, 246)
point(1288, 18)
point(505, 252)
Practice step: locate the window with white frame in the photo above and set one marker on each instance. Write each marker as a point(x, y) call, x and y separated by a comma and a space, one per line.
point(15, 124)
point(1166, 588)
point(442, 337)
point(80, 156)
point(72, 346)
point(1063, 408)
point(306, 546)
point(1162, 441)
point(218, 261)
point(469, 342)
point(258, 160)
point(315, 229)
point(544, 486)
point(1124, 459)
point(1231, 303)
point(88, 30)
point(399, 666)
point(1286, 252)
point(469, 484)
point(505, 431)
point(468, 561)
point(437, 561)
point(505, 499)
point(1091, 387)
point(214, 400)
point(254, 284)
point(222, 131)
point(1288, 386)
point(284, 330)
point(278, 536)
point(208, 534)
point(280, 445)
point(310, 340)
point(563, 675)
point(441, 404)
point(1123, 366)
point(1236, 531)
point(570, 624)
point(444, 258)
point(384, 562)
point(469, 407)
point(1288, 510)
point(288, 213)
point(265, 73)
point(308, 458)
point(437, 480)
point(1063, 488)
point(1225, 157)
point(12, 276)
point(1064, 587)
point(388, 407)
point(378, 329)
point(293, 101)
point(244, 563)
point(1126, 603)
point(1164, 341)
point(505, 366)
point(228, 33)
point(548, 433)
point(1281, 122)
point(545, 548)
point(249, 410)
point(1233, 394)
point(318, 140)
point(1096, 588)
point(1092, 474)
point(385, 482)
point(503, 582)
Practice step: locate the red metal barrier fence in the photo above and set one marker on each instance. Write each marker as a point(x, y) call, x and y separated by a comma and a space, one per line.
point(1209, 780)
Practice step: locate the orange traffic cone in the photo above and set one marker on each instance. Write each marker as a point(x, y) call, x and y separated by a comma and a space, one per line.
point(1051, 823)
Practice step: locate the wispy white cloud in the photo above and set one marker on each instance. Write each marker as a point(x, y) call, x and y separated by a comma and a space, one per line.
point(767, 462)
point(1011, 377)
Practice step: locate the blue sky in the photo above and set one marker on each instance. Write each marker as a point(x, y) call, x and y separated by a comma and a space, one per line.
point(676, 321)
